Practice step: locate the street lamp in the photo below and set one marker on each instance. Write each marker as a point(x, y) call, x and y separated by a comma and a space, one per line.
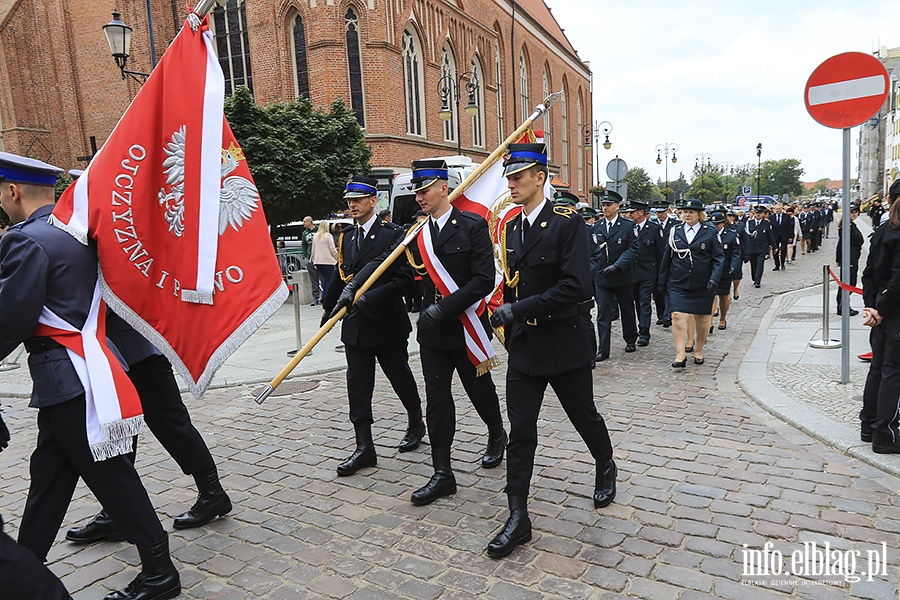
point(727, 169)
point(663, 150)
point(449, 89)
point(702, 162)
point(758, 169)
point(118, 34)
point(599, 127)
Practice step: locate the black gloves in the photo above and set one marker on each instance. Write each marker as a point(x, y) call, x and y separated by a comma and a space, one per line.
point(711, 286)
point(502, 316)
point(431, 314)
point(324, 319)
point(4, 434)
point(746, 259)
point(610, 270)
point(345, 300)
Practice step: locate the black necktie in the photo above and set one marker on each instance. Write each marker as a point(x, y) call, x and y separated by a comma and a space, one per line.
point(526, 225)
point(434, 231)
point(360, 232)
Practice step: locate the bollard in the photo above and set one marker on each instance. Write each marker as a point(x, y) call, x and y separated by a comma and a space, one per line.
point(826, 341)
point(295, 283)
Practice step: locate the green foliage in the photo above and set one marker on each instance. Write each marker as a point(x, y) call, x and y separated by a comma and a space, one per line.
point(640, 186)
point(300, 157)
point(821, 186)
point(707, 185)
point(782, 176)
point(62, 182)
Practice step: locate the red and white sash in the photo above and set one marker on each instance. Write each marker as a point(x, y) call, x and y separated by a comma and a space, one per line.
point(114, 411)
point(478, 344)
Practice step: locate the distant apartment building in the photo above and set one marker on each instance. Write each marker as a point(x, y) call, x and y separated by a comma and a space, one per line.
point(879, 137)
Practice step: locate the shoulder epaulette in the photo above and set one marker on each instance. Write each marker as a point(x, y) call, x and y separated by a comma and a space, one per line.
point(564, 210)
point(390, 225)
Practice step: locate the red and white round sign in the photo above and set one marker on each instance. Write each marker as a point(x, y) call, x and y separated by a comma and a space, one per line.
point(846, 90)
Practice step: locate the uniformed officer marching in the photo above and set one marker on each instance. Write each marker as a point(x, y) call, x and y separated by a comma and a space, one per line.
point(377, 326)
point(462, 245)
point(43, 272)
point(646, 267)
point(667, 220)
point(549, 336)
point(758, 239)
point(613, 274)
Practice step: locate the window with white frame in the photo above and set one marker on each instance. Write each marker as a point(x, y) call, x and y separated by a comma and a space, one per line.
point(413, 82)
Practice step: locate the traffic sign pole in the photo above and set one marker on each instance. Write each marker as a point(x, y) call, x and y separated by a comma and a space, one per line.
point(843, 92)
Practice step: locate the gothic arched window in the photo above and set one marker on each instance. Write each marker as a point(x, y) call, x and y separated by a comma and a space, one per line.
point(229, 25)
point(298, 38)
point(478, 119)
point(523, 85)
point(448, 74)
point(412, 82)
point(546, 89)
point(354, 65)
point(563, 113)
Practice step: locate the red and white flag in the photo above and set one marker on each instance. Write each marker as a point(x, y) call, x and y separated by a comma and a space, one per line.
point(489, 198)
point(185, 254)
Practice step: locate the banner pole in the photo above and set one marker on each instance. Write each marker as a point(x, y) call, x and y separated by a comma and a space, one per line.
point(539, 112)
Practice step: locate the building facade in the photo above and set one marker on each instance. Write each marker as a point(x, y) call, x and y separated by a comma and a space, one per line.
point(391, 61)
point(878, 152)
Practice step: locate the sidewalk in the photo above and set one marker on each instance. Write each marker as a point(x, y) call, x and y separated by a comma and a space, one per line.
point(705, 476)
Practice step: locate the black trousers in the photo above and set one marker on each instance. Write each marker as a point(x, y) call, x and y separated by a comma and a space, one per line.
point(524, 395)
point(659, 298)
point(854, 273)
point(757, 266)
point(881, 395)
point(394, 361)
point(440, 413)
point(607, 297)
point(643, 306)
point(23, 576)
point(62, 456)
point(167, 417)
point(779, 252)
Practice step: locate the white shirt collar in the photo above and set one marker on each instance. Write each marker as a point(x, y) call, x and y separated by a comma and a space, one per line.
point(367, 226)
point(533, 215)
point(442, 220)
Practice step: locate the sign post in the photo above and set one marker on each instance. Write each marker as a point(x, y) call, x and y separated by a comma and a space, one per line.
point(845, 91)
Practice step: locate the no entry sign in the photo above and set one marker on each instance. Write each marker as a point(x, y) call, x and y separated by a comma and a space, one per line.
point(846, 90)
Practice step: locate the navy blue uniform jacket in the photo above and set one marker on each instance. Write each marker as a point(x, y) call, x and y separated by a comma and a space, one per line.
point(649, 251)
point(554, 274)
point(704, 265)
point(385, 318)
point(620, 249)
point(41, 265)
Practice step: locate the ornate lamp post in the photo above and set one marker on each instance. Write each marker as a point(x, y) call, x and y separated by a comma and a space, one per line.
point(449, 89)
point(589, 132)
point(727, 169)
point(758, 170)
point(701, 163)
point(663, 150)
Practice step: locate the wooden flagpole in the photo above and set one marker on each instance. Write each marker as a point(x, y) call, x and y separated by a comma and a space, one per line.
point(539, 111)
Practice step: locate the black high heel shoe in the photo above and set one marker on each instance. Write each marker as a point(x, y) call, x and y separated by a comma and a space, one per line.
point(689, 349)
point(679, 364)
point(698, 361)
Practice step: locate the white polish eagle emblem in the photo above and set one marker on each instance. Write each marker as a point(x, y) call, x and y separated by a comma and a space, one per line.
point(238, 197)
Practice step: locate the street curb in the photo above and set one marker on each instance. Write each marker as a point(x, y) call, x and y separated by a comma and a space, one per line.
point(754, 381)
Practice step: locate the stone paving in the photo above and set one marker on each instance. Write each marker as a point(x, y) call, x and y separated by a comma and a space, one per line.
point(705, 475)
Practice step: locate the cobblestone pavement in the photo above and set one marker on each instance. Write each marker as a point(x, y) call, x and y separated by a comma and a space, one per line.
point(704, 476)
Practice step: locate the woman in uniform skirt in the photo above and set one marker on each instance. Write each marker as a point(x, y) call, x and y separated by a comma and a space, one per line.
point(691, 269)
point(731, 246)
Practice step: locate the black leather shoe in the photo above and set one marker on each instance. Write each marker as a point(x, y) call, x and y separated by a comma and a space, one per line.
point(865, 432)
point(886, 447)
point(212, 502)
point(756, 285)
point(601, 357)
point(667, 323)
point(441, 484)
point(659, 321)
point(605, 483)
point(363, 456)
point(688, 349)
point(158, 579)
point(517, 530)
point(698, 361)
point(99, 528)
point(679, 364)
point(630, 348)
point(643, 342)
point(413, 437)
point(853, 312)
point(496, 446)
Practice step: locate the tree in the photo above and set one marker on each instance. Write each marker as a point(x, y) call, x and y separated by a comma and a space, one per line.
point(640, 186)
point(782, 176)
point(300, 156)
point(706, 186)
point(821, 187)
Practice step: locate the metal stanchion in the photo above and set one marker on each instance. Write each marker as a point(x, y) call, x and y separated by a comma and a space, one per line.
point(9, 366)
point(826, 341)
point(295, 283)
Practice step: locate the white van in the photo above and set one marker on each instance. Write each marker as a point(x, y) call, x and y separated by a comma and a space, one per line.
point(403, 199)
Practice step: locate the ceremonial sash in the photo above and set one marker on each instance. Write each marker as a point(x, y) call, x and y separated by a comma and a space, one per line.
point(113, 409)
point(478, 344)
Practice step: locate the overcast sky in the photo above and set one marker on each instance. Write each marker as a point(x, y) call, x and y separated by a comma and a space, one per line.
point(719, 77)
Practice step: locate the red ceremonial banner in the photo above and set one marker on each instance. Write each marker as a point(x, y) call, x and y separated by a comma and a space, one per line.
point(184, 247)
